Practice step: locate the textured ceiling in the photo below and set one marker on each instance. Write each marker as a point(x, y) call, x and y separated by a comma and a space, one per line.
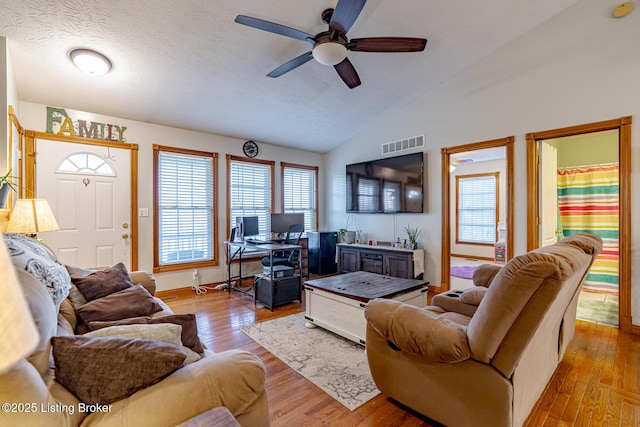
point(186, 64)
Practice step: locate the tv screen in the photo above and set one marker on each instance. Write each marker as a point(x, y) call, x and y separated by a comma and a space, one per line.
point(389, 185)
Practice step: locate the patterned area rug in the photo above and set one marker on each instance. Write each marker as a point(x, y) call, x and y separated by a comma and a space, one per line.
point(598, 311)
point(463, 271)
point(335, 364)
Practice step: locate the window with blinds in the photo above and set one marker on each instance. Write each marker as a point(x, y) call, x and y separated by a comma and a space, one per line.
point(299, 192)
point(184, 197)
point(250, 191)
point(477, 208)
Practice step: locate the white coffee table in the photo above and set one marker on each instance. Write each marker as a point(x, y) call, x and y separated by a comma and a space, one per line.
point(337, 303)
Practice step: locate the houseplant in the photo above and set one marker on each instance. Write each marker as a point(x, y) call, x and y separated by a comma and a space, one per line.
point(345, 236)
point(412, 235)
point(6, 184)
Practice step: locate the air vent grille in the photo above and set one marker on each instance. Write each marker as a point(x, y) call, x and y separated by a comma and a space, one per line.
point(403, 144)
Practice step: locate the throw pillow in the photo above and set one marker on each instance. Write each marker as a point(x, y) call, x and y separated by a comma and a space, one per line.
point(103, 370)
point(32, 256)
point(103, 283)
point(187, 321)
point(473, 295)
point(165, 332)
point(131, 302)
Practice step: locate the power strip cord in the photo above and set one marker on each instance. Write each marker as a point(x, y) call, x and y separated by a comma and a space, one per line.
point(197, 287)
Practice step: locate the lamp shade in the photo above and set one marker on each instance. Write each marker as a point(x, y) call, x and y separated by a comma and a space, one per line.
point(31, 216)
point(18, 334)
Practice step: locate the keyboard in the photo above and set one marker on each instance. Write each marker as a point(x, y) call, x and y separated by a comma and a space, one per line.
point(257, 241)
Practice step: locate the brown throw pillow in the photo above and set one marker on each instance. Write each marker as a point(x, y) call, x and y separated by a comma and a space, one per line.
point(131, 302)
point(103, 283)
point(103, 370)
point(189, 335)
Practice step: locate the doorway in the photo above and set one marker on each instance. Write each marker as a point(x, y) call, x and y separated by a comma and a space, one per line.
point(111, 250)
point(605, 213)
point(467, 151)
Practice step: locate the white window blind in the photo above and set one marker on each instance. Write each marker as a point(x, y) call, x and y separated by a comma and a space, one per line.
point(299, 194)
point(368, 194)
point(250, 193)
point(477, 205)
point(185, 208)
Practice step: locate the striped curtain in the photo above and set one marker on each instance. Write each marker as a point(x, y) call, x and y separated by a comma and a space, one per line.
point(588, 202)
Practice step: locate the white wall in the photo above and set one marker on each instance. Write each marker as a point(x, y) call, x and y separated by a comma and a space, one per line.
point(581, 66)
point(33, 117)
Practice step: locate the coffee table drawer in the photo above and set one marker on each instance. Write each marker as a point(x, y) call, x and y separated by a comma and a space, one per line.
point(345, 316)
point(340, 315)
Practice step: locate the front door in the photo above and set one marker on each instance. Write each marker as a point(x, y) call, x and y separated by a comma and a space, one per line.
point(89, 190)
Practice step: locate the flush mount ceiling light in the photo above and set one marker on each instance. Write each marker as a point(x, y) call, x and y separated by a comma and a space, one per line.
point(90, 61)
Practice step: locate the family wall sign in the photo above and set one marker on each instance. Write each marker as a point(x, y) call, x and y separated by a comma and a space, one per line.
point(59, 122)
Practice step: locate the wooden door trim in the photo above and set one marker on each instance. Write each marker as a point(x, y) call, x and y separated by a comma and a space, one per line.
point(623, 125)
point(446, 198)
point(30, 174)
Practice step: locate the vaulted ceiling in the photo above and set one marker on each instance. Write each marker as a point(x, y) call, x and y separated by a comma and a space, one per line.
point(186, 64)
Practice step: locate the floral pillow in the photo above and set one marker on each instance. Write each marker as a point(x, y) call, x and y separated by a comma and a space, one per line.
point(35, 258)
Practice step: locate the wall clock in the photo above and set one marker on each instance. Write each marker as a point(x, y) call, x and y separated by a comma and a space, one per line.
point(250, 149)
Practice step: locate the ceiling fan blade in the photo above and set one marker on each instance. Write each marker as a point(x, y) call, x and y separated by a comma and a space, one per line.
point(345, 14)
point(274, 28)
point(288, 66)
point(348, 73)
point(387, 44)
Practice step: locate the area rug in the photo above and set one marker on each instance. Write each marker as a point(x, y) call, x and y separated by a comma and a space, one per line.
point(598, 311)
point(463, 271)
point(336, 365)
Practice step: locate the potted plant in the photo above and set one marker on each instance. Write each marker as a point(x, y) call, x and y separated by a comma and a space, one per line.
point(345, 236)
point(412, 235)
point(6, 184)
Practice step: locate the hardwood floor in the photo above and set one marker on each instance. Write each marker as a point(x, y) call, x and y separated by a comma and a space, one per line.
point(596, 384)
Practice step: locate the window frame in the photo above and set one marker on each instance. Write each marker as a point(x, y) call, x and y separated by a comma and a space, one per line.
point(285, 165)
point(157, 268)
point(496, 176)
point(271, 164)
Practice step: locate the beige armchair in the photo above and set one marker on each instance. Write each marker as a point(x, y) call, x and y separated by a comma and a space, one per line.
point(488, 368)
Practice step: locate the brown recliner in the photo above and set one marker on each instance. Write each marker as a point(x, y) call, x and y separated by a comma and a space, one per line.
point(490, 368)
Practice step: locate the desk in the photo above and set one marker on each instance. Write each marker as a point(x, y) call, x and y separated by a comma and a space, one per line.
point(237, 249)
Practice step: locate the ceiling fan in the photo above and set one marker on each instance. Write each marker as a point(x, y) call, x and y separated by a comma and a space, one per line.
point(330, 47)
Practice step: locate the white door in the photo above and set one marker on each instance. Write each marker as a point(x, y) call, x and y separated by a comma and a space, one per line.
point(548, 194)
point(89, 190)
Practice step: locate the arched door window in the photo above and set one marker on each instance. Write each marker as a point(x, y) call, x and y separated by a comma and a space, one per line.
point(86, 164)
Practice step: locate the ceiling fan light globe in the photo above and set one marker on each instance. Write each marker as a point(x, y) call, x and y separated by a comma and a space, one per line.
point(329, 53)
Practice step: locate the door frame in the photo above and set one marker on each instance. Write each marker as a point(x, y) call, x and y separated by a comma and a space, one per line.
point(446, 202)
point(30, 173)
point(623, 125)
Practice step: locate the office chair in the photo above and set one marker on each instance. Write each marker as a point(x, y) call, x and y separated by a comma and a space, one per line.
point(287, 258)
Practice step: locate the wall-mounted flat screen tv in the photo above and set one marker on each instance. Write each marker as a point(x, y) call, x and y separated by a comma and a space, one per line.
point(389, 185)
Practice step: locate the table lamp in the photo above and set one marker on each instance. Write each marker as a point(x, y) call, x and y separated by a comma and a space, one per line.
point(18, 334)
point(31, 216)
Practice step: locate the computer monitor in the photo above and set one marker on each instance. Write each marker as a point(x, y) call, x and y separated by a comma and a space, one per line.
point(247, 226)
point(280, 222)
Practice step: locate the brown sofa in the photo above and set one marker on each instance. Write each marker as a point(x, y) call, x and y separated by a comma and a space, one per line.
point(488, 368)
point(233, 379)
